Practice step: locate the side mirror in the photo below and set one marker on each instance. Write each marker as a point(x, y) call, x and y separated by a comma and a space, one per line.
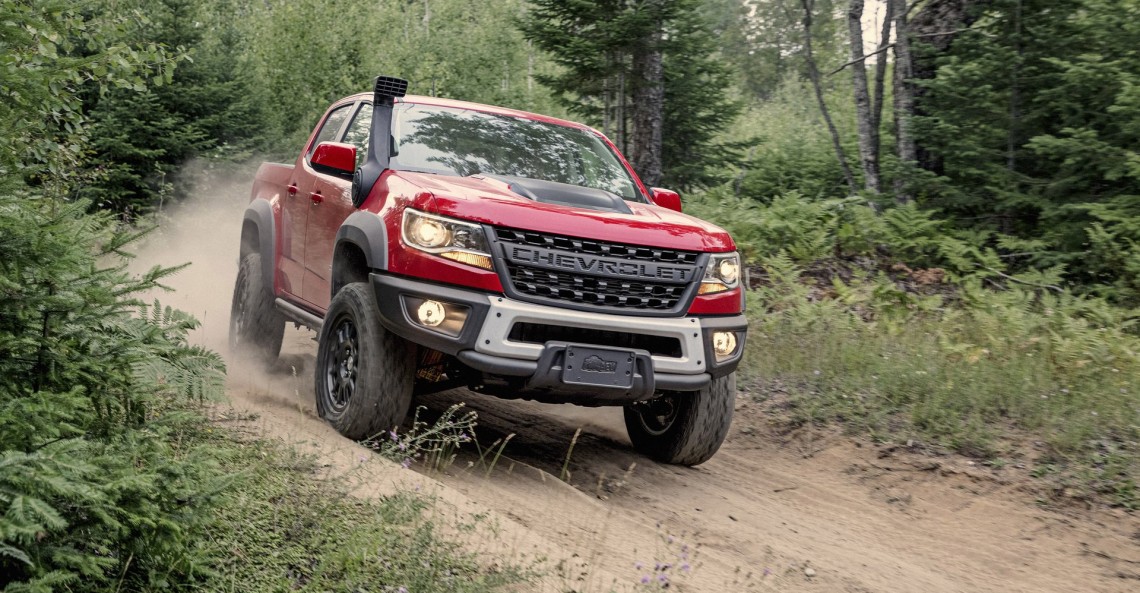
point(666, 198)
point(334, 158)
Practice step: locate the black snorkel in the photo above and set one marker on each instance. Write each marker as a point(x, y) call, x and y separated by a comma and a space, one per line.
point(380, 141)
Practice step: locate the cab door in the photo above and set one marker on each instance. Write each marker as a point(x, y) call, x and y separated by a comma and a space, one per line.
point(295, 203)
point(330, 203)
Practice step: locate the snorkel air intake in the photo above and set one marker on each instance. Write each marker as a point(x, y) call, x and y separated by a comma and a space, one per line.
point(385, 91)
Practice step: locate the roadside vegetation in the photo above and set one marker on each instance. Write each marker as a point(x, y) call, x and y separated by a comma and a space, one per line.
point(892, 327)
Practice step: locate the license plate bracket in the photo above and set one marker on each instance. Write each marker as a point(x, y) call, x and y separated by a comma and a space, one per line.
point(598, 367)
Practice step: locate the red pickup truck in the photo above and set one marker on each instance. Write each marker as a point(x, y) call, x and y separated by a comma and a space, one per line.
point(435, 244)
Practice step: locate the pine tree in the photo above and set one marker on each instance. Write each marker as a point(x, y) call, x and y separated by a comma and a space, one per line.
point(605, 49)
point(140, 139)
point(1031, 114)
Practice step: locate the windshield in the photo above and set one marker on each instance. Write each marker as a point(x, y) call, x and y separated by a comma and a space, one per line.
point(463, 142)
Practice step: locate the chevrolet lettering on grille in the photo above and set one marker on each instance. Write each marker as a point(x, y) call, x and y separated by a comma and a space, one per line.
point(592, 264)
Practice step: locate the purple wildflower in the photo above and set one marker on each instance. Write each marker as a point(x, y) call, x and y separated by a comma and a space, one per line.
point(645, 579)
point(685, 567)
point(392, 433)
point(406, 463)
point(663, 578)
point(638, 565)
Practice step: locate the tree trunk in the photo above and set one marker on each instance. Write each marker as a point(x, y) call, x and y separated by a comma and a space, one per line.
point(936, 24)
point(904, 101)
point(620, 120)
point(813, 73)
point(1014, 98)
point(868, 151)
point(648, 110)
point(880, 76)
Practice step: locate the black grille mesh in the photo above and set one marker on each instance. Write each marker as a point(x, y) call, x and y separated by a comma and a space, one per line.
point(575, 245)
point(540, 333)
point(599, 291)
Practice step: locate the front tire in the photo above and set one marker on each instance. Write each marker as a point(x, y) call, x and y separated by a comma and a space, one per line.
point(364, 373)
point(256, 326)
point(682, 427)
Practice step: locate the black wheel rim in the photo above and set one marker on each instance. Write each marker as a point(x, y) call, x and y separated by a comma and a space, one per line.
point(657, 415)
point(341, 364)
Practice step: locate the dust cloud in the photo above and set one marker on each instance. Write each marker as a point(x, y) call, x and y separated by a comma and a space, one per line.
point(204, 230)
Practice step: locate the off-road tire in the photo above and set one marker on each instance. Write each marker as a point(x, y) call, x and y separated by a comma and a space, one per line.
point(692, 430)
point(364, 373)
point(256, 326)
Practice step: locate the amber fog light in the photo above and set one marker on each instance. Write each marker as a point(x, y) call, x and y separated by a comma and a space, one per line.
point(724, 344)
point(445, 318)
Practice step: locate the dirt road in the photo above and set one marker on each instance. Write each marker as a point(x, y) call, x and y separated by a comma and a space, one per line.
point(769, 512)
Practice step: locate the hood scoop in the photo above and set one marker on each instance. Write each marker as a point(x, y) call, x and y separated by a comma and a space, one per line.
point(563, 194)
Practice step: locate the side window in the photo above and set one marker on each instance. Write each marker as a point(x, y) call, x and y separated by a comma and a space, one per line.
point(358, 131)
point(330, 128)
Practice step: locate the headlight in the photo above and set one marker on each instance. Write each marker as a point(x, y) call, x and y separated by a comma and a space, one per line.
point(456, 240)
point(722, 273)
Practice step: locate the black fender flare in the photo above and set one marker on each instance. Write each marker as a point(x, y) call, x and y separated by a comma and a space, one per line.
point(365, 231)
point(259, 214)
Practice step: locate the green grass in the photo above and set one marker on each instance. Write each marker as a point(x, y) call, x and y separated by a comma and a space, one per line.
point(993, 381)
point(282, 528)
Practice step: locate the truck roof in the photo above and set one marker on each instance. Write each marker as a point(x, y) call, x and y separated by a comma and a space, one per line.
point(456, 104)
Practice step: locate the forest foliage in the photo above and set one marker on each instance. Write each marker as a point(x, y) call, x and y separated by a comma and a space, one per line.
point(109, 477)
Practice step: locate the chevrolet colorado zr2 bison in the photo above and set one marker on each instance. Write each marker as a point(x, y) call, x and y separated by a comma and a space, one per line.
point(434, 244)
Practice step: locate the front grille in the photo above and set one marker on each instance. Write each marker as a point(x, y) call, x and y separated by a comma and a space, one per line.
point(592, 274)
point(540, 333)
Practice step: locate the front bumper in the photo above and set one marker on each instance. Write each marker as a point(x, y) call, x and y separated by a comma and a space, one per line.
point(490, 341)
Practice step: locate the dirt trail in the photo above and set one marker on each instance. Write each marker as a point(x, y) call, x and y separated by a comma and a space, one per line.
point(759, 516)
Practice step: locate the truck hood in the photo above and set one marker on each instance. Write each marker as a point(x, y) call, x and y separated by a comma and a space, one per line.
point(490, 201)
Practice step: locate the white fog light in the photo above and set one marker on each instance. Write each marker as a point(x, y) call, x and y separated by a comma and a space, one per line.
point(431, 313)
point(440, 317)
point(724, 344)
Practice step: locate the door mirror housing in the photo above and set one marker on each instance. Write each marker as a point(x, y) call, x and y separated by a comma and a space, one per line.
point(666, 198)
point(334, 158)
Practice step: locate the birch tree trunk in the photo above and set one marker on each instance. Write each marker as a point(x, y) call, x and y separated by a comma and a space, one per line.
point(880, 77)
point(868, 151)
point(904, 100)
point(813, 73)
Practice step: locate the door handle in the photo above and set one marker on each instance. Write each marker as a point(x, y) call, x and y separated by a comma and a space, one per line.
point(292, 189)
point(316, 197)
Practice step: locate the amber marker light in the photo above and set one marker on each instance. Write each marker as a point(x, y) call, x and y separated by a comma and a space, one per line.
point(472, 259)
